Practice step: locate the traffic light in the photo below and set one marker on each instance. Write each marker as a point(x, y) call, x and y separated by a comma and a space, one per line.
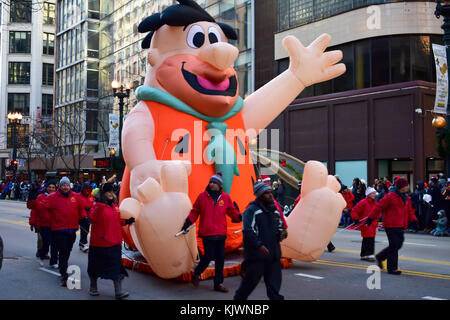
point(14, 164)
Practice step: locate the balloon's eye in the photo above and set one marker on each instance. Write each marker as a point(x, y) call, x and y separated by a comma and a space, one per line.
point(214, 35)
point(196, 37)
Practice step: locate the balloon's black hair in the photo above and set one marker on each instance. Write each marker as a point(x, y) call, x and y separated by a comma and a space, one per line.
point(182, 14)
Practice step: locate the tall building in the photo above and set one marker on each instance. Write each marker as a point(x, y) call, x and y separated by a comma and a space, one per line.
point(374, 120)
point(27, 47)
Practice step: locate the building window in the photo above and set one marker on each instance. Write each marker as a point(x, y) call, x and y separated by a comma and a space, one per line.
point(48, 44)
point(400, 59)
point(20, 11)
point(47, 74)
point(19, 42)
point(49, 13)
point(47, 105)
point(19, 73)
point(345, 81)
point(362, 64)
point(380, 61)
point(22, 136)
point(421, 52)
point(19, 102)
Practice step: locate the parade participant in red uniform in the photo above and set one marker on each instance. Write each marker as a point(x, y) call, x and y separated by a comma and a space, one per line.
point(87, 202)
point(105, 250)
point(212, 206)
point(398, 211)
point(40, 218)
point(348, 197)
point(65, 210)
point(359, 213)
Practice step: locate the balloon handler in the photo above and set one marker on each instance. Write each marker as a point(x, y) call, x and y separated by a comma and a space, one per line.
point(212, 206)
point(179, 134)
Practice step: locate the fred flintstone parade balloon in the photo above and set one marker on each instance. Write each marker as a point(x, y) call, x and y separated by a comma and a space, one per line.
point(177, 137)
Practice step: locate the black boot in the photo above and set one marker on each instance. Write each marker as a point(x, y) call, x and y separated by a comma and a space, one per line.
point(93, 291)
point(118, 290)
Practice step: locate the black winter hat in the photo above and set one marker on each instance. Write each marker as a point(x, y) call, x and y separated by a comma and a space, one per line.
point(108, 187)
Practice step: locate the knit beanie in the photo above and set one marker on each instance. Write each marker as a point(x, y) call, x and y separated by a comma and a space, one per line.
point(370, 190)
point(64, 180)
point(108, 187)
point(217, 178)
point(401, 183)
point(50, 182)
point(259, 188)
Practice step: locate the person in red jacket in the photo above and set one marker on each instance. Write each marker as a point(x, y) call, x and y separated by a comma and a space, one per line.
point(398, 211)
point(88, 202)
point(105, 250)
point(212, 206)
point(40, 218)
point(65, 210)
point(360, 213)
point(348, 197)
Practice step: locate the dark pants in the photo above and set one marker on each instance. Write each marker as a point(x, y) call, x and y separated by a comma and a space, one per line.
point(84, 230)
point(47, 243)
point(395, 237)
point(254, 270)
point(214, 250)
point(367, 247)
point(64, 242)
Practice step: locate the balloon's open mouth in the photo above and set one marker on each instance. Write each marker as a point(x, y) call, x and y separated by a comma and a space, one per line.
point(226, 87)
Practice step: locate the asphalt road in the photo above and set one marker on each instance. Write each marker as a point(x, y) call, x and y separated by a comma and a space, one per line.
point(340, 275)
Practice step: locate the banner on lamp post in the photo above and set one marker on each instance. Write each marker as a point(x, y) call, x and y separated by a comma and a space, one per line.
point(114, 134)
point(440, 60)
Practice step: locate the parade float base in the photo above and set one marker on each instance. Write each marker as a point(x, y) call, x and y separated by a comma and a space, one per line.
point(136, 262)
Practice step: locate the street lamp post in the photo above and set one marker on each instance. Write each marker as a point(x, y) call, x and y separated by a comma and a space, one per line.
point(121, 92)
point(443, 9)
point(14, 119)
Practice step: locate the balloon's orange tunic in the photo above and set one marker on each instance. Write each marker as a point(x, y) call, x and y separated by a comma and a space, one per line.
point(181, 136)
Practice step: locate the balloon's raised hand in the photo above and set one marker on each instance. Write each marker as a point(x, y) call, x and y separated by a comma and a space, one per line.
point(311, 64)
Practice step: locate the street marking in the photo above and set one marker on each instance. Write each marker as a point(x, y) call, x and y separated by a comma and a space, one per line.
point(414, 243)
point(50, 271)
point(22, 223)
point(308, 276)
point(58, 274)
point(364, 267)
point(432, 298)
point(444, 263)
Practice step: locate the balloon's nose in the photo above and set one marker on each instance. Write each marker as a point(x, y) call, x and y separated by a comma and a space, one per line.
point(220, 54)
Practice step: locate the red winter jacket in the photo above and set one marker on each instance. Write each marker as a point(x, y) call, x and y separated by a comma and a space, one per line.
point(106, 230)
point(86, 202)
point(39, 214)
point(362, 211)
point(33, 220)
point(396, 213)
point(212, 217)
point(64, 211)
point(348, 197)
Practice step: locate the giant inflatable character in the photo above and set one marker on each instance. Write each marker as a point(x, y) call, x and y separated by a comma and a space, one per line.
point(191, 122)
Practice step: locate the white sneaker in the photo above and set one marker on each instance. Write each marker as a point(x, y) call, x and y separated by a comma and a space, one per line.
point(54, 266)
point(84, 248)
point(41, 262)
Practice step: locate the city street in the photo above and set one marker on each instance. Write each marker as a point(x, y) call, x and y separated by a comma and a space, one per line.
point(424, 260)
